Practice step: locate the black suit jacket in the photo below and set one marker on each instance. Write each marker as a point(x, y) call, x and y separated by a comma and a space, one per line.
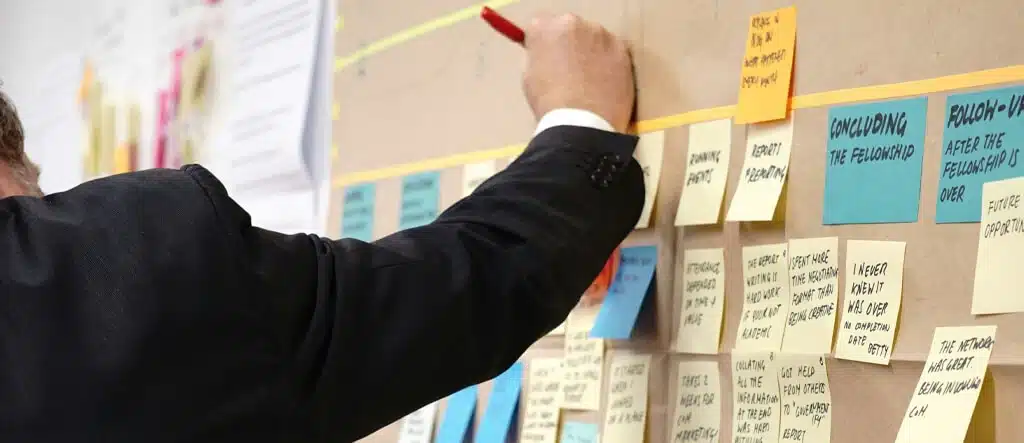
point(144, 307)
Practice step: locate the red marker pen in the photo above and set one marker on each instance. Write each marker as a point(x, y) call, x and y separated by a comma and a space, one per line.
point(502, 25)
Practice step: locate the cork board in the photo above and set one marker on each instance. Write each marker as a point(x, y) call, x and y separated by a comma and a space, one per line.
point(451, 95)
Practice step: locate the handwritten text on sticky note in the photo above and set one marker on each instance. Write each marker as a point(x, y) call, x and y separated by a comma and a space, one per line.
point(814, 285)
point(767, 66)
point(764, 172)
point(700, 318)
point(420, 199)
point(698, 408)
point(873, 164)
point(543, 397)
point(1000, 248)
point(756, 401)
point(625, 417)
point(765, 297)
point(947, 392)
point(874, 290)
point(357, 212)
point(707, 168)
point(627, 293)
point(981, 142)
point(806, 399)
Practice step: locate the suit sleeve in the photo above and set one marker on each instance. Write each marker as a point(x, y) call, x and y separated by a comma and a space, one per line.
point(379, 329)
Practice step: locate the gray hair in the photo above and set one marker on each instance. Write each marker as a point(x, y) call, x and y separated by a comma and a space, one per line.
point(12, 147)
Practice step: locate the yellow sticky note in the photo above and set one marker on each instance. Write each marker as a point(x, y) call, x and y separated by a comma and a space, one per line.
point(767, 66)
point(700, 317)
point(814, 285)
point(765, 167)
point(698, 408)
point(756, 401)
point(707, 168)
point(806, 399)
point(765, 298)
point(474, 174)
point(335, 111)
point(1000, 248)
point(649, 151)
point(947, 392)
point(543, 396)
point(583, 368)
point(625, 417)
point(872, 294)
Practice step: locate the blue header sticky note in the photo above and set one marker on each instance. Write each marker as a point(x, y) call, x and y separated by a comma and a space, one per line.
point(420, 195)
point(501, 406)
point(873, 163)
point(458, 415)
point(981, 142)
point(626, 294)
point(357, 212)
point(576, 432)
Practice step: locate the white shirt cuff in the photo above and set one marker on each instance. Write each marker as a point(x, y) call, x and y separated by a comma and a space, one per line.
point(572, 117)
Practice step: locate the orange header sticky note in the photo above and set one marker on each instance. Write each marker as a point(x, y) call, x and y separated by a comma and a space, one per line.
point(767, 67)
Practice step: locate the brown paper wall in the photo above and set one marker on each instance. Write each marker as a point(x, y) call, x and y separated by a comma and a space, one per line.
point(456, 90)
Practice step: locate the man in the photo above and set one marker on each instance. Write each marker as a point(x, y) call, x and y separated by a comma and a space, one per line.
point(144, 307)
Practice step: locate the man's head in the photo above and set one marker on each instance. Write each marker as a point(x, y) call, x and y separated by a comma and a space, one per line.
point(18, 175)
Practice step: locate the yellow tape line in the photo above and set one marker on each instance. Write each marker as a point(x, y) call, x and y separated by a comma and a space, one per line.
point(405, 35)
point(816, 100)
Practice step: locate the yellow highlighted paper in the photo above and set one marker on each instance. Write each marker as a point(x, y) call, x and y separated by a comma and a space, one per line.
point(474, 174)
point(767, 67)
point(625, 416)
point(1000, 248)
point(543, 396)
point(698, 407)
point(756, 400)
point(764, 172)
point(947, 392)
point(707, 168)
point(583, 367)
point(874, 290)
point(806, 399)
point(765, 298)
point(700, 317)
point(814, 289)
point(649, 152)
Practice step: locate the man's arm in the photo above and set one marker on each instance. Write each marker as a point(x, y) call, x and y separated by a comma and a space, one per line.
point(419, 314)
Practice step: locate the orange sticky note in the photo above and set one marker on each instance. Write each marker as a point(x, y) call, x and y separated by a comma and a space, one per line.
point(767, 67)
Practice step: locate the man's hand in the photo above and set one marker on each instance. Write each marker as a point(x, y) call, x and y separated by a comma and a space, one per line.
point(572, 63)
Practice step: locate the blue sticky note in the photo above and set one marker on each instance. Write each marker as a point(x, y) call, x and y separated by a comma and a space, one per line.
point(357, 212)
point(420, 195)
point(576, 432)
point(981, 142)
point(458, 415)
point(626, 294)
point(873, 163)
point(502, 406)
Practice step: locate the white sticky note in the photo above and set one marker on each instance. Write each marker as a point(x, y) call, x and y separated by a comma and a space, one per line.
point(940, 410)
point(543, 399)
point(765, 167)
point(698, 408)
point(806, 399)
point(625, 415)
point(873, 292)
point(700, 316)
point(583, 366)
point(1000, 248)
point(649, 152)
point(765, 298)
point(418, 427)
point(707, 168)
point(473, 174)
point(814, 289)
point(756, 401)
